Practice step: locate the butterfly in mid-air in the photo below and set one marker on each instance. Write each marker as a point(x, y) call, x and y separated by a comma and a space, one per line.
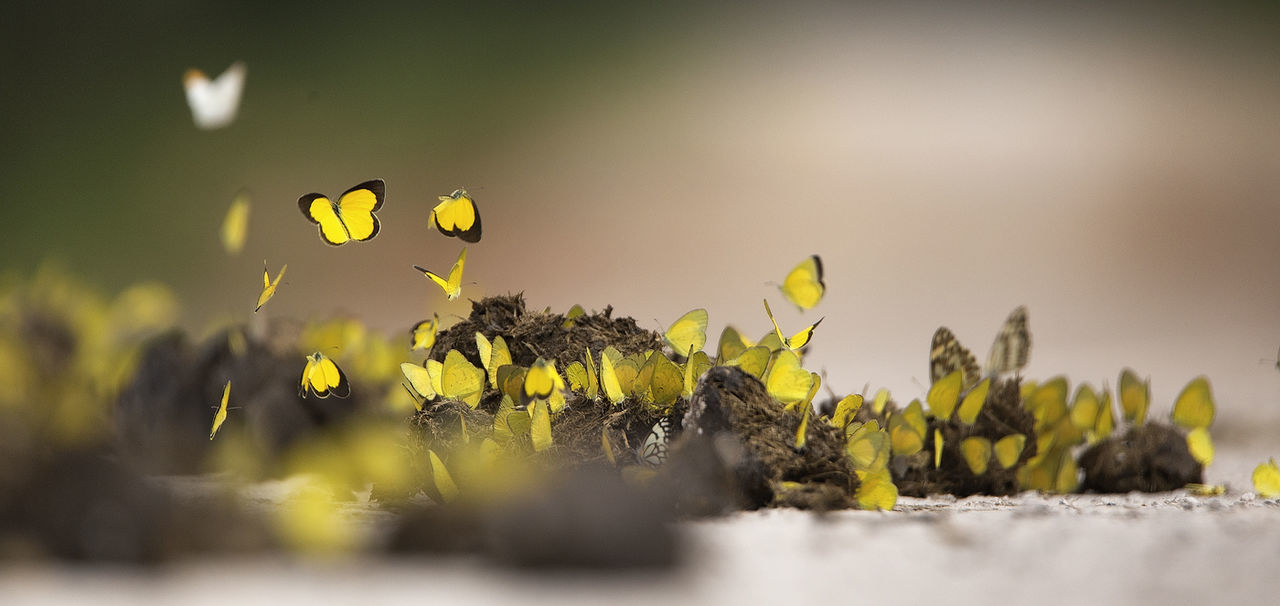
point(423, 334)
point(453, 285)
point(235, 227)
point(653, 452)
point(803, 286)
point(322, 378)
point(457, 216)
point(350, 217)
point(214, 103)
point(796, 341)
point(268, 285)
point(221, 416)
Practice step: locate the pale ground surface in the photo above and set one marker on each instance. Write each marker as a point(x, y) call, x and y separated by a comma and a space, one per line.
point(1167, 548)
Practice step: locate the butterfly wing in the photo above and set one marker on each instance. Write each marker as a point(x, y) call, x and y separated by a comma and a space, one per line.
point(356, 207)
point(689, 333)
point(947, 355)
point(235, 227)
point(323, 212)
point(653, 452)
point(1012, 344)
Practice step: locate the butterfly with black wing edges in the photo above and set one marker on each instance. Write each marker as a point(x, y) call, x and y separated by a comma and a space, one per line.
point(457, 216)
point(351, 217)
point(653, 452)
point(322, 378)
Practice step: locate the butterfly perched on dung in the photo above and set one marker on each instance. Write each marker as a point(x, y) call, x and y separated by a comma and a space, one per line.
point(653, 452)
point(1008, 352)
point(348, 218)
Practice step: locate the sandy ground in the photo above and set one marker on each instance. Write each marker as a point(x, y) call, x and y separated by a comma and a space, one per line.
point(1166, 548)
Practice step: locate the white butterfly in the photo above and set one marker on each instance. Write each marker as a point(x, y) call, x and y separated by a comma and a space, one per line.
point(653, 453)
point(214, 103)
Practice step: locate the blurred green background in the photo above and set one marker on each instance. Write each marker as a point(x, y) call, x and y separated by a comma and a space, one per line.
point(1117, 170)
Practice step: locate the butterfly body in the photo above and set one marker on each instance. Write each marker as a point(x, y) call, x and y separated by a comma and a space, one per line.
point(348, 218)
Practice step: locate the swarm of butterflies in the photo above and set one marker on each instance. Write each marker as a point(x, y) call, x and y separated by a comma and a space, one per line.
point(533, 396)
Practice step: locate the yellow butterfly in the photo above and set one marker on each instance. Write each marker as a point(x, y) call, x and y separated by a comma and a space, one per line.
point(796, 341)
point(694, 368)
point(461, 380)
point(977, 454)
point(907, 429)
point(441, 479)
point(540, 425)
point(1009, 449)
point(973, 402)
point(876, 490)
point(944, 394)
point(322, 378)
point(421, 384)
point(453, 286)
point(351, 217)
point(731, 345)
point(269, 285)
point(221, 415)
point(214, 103)
point(541, 382)
point(609, 381)
point(846, 409)
point(423, 335)
point(235, 227)
point(456, 216)
point(1200, 445)
point(689, 333)
point(803, 285)
point(1266, 479)
point(493, 355)
point(1194, 406)
point(1135, 397)
point(867, 446)
point(786, 381)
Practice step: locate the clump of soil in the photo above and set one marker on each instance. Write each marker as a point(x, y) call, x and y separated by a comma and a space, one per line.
point(1150, 458)
point(531, 335)
point(733, 419)
point(1001, 415)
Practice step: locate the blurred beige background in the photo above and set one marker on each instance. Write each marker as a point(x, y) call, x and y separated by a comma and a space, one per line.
point(1118, 172)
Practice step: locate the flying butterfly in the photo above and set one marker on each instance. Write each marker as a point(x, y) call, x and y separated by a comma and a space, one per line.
point(214, 103)
point(803, 286)
point(453, 286)
point(221, 415)
point(947, 355)
point(423, 334)
point(653, 452)
point(1012, 344)
point(268, 285)
point(351, 217)
point(322, 378)
point(796, 341)
point(235, 226)
point(457, 216)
